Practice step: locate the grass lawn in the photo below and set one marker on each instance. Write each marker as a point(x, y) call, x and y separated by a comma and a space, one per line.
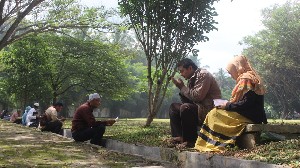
point(133, 131)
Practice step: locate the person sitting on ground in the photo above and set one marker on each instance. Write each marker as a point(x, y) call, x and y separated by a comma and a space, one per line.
point(25, 115)
point(16, 117)
point(51, 122)
point(197, 100)
point(4, 114)
point(32, 116)
point(84, 125)
point(228, 120)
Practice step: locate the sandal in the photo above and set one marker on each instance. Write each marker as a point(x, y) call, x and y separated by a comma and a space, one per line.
point(175, 140)
point(185, 145)
point(172, 142)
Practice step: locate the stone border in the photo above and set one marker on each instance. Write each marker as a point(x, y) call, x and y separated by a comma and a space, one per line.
point(185, 159)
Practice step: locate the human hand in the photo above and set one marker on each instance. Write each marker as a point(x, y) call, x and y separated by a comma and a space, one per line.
point(110, 122)
point(222, 106)
point(178, 82)
point(62, 119)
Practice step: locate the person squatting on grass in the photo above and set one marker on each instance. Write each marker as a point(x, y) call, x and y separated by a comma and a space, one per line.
point(197, 100)
point(227, 121)
point(84, 125)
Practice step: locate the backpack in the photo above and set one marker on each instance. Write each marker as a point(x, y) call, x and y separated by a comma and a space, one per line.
point(43, 120)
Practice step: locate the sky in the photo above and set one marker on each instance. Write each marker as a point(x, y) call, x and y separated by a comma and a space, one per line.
point(236, 19)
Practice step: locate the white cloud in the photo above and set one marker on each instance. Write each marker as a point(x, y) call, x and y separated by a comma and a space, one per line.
point(236, 20)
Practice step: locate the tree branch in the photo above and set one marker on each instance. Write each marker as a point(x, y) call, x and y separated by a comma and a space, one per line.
point(19, 18)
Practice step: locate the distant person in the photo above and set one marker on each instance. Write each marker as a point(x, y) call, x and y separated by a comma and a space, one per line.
point(228, 120)
point(197, 100)
point(4, 114)
point(51, 122)
point(32, 116)
point(84, 125)
point(24, 116)
point(16, 117)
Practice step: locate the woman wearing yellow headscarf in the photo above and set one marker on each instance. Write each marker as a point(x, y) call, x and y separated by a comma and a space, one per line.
point(226, 122)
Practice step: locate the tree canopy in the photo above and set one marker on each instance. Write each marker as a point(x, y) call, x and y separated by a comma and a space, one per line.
point(22, 17)
point(51, 65)
point(167, 31)
point(275, 51)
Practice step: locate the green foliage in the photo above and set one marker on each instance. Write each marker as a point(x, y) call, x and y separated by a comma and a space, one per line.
point(274, 52)
point(167, 31)
point(226, 83)
point(51, 65)
point(24, 71)
point(22, 18)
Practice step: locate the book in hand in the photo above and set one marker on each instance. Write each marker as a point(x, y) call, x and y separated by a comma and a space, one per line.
point(218, 102)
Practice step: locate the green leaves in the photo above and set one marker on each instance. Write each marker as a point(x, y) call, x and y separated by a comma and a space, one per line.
point(47, 16)
point(168, 31)
point(274, 52)
point(58, 65)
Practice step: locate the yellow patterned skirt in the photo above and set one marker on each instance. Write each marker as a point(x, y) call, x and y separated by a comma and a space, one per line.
point(220, 129)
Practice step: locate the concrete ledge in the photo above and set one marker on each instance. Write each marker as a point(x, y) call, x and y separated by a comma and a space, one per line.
point(291, 129)
point(196, 160)
point(153, 153)
point(186, 159)
point(251, 136)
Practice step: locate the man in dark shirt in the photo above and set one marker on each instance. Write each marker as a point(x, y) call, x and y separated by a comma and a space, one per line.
point(84, 125)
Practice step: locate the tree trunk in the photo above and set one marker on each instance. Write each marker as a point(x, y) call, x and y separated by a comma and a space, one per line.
point(149, 119)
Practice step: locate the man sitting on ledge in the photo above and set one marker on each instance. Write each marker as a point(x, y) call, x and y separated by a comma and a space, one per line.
point(84, 125)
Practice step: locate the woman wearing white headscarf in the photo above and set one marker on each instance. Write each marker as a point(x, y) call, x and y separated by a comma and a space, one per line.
point(226, 122)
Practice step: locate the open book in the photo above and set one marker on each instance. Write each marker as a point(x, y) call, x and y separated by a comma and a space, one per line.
point(218, 102)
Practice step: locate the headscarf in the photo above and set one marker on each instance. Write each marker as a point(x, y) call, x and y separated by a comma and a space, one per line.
point(247, 78)
point(25, 115)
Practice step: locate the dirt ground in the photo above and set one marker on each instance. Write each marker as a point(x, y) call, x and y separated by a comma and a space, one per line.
point(28, 147)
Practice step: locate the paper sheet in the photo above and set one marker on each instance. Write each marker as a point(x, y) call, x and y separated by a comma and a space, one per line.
point(218, 102)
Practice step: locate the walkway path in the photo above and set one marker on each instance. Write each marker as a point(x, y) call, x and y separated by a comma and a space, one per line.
point(27, 147)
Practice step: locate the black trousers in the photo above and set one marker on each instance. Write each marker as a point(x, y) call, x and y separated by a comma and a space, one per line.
point(53, 126)
point(184, 121)
point(94, 134)
point(18, 121)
